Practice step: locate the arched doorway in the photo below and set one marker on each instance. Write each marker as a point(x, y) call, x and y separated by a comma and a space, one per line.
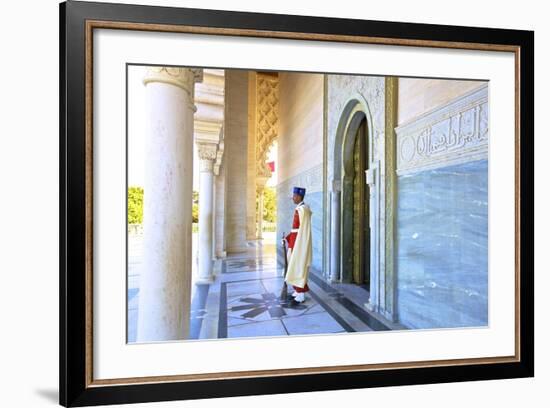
point(354, 225)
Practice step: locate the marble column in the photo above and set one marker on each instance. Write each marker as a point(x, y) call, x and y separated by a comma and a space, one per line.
point(335, 236)
point(219, 208)
point(251, 188)
point(218, 205)
point(372, 178)
point(165, 279)
point(236, 159)
point(209, 119)
point(207, 156)
point(214, 212)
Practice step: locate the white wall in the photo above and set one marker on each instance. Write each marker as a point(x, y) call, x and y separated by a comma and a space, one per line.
point(29, 173)
point(300, 139)
point(420, 95)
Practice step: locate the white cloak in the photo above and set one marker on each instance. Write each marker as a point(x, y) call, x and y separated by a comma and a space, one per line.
point(300, 259)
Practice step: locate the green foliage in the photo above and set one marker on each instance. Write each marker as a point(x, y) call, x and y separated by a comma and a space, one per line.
point(135, 205)
point(270, 204)
point(195, 209)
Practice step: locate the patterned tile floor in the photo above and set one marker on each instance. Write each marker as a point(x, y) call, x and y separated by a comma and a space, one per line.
point(245, 300)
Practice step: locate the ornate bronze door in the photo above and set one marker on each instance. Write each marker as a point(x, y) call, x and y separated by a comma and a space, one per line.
point(361, 232)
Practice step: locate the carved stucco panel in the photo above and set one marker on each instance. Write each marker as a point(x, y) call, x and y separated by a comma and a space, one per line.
point(267, 116)
point(340, 88)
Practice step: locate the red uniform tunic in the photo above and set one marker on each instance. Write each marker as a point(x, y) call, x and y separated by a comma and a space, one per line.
point(291, 239)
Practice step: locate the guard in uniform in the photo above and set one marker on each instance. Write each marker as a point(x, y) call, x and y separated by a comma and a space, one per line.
point(299, 246)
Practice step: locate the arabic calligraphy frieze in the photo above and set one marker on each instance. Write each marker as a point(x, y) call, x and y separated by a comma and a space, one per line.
point(455, 133)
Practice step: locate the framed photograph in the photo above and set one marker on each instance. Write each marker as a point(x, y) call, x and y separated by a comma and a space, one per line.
point(259, 203)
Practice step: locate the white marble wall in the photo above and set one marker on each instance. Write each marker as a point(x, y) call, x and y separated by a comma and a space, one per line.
point(442, 257)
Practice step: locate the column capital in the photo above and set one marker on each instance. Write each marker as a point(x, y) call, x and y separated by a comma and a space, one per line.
point(184, 78)
point(207, 153)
